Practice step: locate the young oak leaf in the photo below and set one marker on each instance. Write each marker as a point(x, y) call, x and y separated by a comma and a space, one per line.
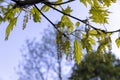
point(68, 10)
point(99, 15)
point(65, 20)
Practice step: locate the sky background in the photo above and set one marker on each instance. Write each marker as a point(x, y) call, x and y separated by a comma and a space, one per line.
point(10, 55)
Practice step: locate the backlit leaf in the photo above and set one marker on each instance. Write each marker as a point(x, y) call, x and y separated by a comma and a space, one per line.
point(66, 22)
point(118, 42)
point(45, 8)
point(99, 15)
point(77, 51)
point(108, 2)
point(77, 24)
point(93, 32)
point(10, 27)
point(68, 10)
point(36, 15)
point(85, 2)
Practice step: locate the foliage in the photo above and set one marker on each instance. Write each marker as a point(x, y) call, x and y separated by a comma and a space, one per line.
point(77, 51)
point(97, 67)
point(118, 42)
point(90, 35)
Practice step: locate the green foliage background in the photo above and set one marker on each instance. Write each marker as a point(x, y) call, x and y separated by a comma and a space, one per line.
point(95, 66)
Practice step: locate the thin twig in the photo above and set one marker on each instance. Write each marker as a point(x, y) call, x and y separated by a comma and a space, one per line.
point(104, 31)
point(54, 3)
point(23, 3)
point(50, 22)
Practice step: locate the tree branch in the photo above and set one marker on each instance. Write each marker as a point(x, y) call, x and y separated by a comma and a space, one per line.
point(54, 3)
point(28, 2)
point(83, 21)
point(51, 22)
point(32, 2)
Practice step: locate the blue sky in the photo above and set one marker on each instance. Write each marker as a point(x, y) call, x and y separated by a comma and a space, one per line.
point(10, 54)
point(10, 50)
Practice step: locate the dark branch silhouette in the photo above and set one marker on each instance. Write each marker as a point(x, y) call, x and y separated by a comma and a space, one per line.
point(46, 2)
point(32, 2)
point(51, 22)
point(83, 21)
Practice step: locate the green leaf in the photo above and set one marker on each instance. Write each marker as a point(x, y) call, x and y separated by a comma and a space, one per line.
point(10, 27)
point(87, 43)
point(118, 42)
point(77, 51)
point(36, 15)
point(60, 24)
point(99, 14)
point(91, 40)
point(93, 32)
point(108, 2)
point(68, 10)
point(10, 14)
point(1, 19)
point(58, 1)
point(86, 1)
point(103, 44)
point(77, 24)
point(113, 1)
point(66, 22)
point(45, 8)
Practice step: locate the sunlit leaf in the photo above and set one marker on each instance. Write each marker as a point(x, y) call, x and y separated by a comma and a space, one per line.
point(66, 22)
point(114, 1)
point(85, 2)
point(108, 2)
point(68, 10)
point(77, 51)
point(10, 27)
point(118, 42)
point(91, 40)
point(77, 24)
point(45, 8)
point(99, 15)
point(9, 15)
point(36, 15)
point(93, 32)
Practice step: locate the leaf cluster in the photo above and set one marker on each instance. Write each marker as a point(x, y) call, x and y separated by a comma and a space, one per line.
point(70, 37)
